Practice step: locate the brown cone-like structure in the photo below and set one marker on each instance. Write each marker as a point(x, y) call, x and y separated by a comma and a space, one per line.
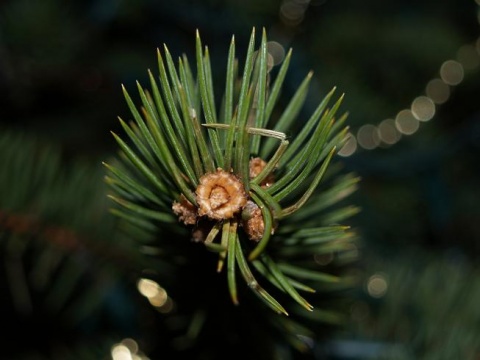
point(253, 224)
point(185, 210)
point(256, 166)
point(220, 195)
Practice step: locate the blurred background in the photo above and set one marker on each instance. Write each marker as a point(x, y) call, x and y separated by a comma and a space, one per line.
point(411, 74)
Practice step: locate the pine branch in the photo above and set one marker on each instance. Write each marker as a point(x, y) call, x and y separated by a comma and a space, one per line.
point(62, 252)
point(177, 158)
point(427, 302)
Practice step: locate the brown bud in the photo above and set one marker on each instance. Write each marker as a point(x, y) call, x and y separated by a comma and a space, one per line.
point(256, 167)
point(201, 230)
point(220, 195)
point(185, 210)
point(253, 221)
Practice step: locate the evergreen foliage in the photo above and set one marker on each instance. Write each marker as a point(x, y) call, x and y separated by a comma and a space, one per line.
point(62, 253)
point(429, 311)
point(68, 258)
point(178, 137)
